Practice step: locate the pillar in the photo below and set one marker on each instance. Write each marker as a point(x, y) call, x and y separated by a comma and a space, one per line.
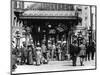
point(68, 41)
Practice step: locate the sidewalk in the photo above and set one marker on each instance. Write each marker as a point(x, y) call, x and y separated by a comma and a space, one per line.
point(54, 66)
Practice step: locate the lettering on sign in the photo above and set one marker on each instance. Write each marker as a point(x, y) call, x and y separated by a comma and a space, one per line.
point(49, 13)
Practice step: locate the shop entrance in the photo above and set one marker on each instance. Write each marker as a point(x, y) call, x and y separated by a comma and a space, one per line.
point(43, 30)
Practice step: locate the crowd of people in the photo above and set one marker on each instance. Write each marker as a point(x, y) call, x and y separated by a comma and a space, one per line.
point(42, 54)
point(37, 55)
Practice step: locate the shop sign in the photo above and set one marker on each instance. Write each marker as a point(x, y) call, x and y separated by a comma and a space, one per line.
point(49, 13)
point(52, 31)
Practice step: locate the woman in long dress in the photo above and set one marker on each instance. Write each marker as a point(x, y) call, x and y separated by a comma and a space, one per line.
point(38, 55)
point(82, 53)
point(13, 60)
point(59, 52)
point(30, 56)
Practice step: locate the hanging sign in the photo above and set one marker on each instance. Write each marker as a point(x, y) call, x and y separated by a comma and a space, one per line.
point(52, 31)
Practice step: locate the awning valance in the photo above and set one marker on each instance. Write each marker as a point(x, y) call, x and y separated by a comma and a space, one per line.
point(48, 13)
point(32, 14)
point(48, 17)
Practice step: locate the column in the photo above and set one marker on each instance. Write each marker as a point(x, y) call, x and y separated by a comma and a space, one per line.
point(68, 42)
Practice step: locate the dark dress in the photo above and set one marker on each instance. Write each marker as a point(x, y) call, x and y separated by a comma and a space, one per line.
point(13, 61)
point(30, 57)
point(64, 52)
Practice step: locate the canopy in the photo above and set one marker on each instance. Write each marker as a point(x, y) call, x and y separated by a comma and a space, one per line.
point(48, 13)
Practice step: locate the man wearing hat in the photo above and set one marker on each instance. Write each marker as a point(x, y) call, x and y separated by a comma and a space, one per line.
point(74, 52)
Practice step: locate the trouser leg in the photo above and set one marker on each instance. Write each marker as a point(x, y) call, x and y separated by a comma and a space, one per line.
point(74, 60)
point(92, 56)
point(89, 56)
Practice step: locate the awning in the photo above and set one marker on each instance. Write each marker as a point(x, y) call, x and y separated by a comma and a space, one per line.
point(48, 17)
point(32, 14)
point(48, 13)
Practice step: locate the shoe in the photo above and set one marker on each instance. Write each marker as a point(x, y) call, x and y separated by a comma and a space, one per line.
point(82, 64)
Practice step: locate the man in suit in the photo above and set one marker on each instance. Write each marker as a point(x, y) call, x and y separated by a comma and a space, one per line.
point(87, 51)
point(74, 52)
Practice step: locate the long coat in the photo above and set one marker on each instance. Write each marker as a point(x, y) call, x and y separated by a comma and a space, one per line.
point(82, 50)
point(74, 50)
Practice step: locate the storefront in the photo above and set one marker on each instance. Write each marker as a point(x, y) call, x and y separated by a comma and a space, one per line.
point(52, 24)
